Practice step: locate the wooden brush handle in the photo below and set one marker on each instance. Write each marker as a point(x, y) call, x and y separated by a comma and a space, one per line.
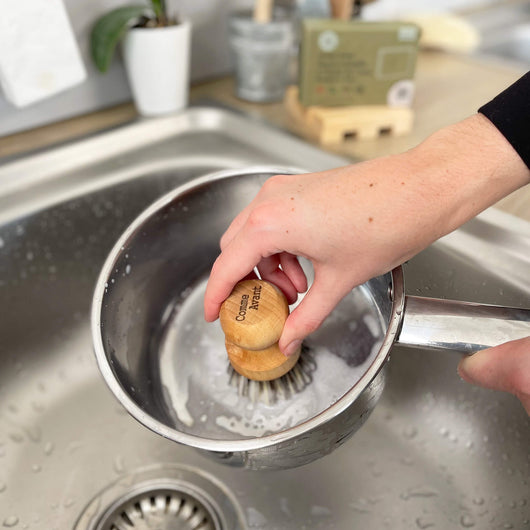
point(262, 11)
point(252, 318)
point(342, 9)
point(254, 314)
point(264, 365)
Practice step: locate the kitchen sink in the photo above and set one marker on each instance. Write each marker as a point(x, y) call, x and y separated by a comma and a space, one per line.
point(435, 453)
point(505, 31)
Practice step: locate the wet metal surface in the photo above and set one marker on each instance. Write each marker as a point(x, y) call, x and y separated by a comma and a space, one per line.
point(435, 453)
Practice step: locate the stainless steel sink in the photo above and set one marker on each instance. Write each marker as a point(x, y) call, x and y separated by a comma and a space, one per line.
point(505, 31)
point(436, 453)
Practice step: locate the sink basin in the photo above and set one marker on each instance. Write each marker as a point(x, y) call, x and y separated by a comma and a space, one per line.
point(505, 32)
point(435, 453)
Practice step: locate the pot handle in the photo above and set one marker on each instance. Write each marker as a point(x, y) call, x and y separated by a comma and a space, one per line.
point(460, 326)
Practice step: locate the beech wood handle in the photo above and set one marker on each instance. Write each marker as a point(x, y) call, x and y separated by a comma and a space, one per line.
point(263, 11)
point(252, 318)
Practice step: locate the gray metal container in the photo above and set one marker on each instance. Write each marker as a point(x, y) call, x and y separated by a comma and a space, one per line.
point(262, 55)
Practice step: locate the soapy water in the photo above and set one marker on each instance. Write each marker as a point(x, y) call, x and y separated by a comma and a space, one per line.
point(192, 368)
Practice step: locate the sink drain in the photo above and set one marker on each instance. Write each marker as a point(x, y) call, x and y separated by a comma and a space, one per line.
point(167, 509)
point(163, 498)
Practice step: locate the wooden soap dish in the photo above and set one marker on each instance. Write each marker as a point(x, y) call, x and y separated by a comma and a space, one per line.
point(335, 125)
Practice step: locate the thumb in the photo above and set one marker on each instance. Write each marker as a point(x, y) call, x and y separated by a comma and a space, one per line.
point(317, 304)
point(505, 367)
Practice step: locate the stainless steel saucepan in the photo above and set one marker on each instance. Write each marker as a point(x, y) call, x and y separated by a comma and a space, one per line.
point(169, 368)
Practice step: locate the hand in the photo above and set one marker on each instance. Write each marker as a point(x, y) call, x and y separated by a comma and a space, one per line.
point(505, 367)
point(360, 221)
point(335, 220)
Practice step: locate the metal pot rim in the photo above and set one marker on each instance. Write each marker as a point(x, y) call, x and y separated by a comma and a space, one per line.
point(398, 302)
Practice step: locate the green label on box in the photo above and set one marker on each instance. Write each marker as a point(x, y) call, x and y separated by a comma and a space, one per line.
point(357, 63)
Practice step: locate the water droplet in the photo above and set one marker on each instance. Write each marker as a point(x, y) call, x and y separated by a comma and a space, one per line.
point(410, 432)
point(256, 518)
point(360, 505)
point(418, 492)
point(407, 461)
point(127, 269)
point(479, 501)
point(37, 406)
point(74, 446)
point(3, 487)
point(1, 243)
point(68, 502)
point(10, 521)
point(508, 526)
point(423, 523)
point(34, 433)
point(467, 521)
point(48, 448)
point(36, 468)
point(320, 511)
point(119, 465)
point(16, 437)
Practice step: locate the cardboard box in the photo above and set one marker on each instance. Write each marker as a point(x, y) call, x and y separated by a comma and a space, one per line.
point(357, 63)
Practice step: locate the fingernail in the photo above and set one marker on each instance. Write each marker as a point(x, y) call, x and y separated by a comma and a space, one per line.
point(292, 347)
point(463, 370)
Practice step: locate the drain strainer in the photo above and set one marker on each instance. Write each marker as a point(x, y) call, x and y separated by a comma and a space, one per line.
point(171, 497)
point(163, 509)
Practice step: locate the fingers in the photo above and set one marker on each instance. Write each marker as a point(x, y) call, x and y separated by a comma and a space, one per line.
point(318, 303)
point(270, 271)
point(235, 226)
point(233, 264)
point(292, 268)
point(505, 367)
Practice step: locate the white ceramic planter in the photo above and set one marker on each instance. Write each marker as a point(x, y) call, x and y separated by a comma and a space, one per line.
point(157, 64)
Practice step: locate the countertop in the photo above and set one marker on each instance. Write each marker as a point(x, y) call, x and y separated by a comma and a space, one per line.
point(449, 88)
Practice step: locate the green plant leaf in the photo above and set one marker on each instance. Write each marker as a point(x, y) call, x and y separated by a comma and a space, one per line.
point(110, 29)
point(160, 8)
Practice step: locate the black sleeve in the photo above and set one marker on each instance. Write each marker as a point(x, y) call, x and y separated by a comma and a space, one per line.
point(510, 113)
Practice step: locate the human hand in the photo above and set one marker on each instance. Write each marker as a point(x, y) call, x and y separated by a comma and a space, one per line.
point(314, 216)
point(360, 221)
point(505, 367)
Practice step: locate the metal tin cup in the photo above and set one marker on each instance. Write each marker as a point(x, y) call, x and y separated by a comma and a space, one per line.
point(262, 55)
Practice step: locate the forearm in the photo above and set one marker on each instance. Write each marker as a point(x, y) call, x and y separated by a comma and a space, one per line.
point(465, 168)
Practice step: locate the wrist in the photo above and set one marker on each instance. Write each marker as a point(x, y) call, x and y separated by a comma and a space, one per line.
point(469, 166)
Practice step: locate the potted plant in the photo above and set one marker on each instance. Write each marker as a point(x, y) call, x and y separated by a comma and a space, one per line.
point(156, 52)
